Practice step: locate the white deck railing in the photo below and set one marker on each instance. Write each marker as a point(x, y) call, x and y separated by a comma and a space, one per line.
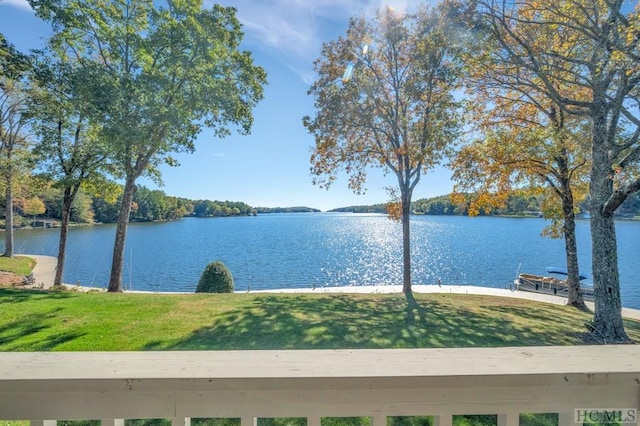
point(45, 387)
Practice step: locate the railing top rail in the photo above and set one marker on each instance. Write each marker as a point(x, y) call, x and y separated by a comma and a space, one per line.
point(333, 383)
point(292, 364)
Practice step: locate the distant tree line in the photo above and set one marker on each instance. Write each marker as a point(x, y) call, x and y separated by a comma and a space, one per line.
point(297, 209)
point(374, 208)
point(42, 200)
point(516, 205)
point(148, 206)
point(207, 208)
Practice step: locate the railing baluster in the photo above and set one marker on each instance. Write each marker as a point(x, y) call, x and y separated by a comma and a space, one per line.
point(509, 419)
point(565, 419)
point(248, 421)
point(181, 421)
point(44, 422)
point(443, 420)
point(313, 421)
point(112, 422)
point(378, 420)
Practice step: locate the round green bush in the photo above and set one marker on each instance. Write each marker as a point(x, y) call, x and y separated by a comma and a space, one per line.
point(216, 278)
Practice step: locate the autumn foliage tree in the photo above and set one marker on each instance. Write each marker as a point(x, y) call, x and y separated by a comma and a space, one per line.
point(384, 98)
point(490, 168)
point(585, 56)
point(527, 143)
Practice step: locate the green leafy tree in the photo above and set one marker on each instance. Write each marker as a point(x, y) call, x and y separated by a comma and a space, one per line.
point(384, 98)
point(174, 70)
point(81, 209)
point(67, 115)
point(106, 210)
point(13, 122)
point(585, 57)
point(156, 205)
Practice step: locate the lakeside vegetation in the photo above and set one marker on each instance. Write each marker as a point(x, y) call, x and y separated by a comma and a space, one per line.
point(297, 209)
point(516, 205)
point(75, 321)
point(41, 205)
point(149, 205)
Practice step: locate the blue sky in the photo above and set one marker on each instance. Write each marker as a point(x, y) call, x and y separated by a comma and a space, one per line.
point(270, 167)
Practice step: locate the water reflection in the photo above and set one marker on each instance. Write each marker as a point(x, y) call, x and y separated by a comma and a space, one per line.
point(306, 250)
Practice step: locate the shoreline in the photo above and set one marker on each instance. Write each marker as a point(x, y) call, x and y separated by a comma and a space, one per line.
point(44, 273)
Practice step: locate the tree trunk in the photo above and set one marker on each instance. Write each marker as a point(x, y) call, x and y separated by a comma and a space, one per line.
point(64, 231)
point(117, 265)
point(607, 323)
point(8, 235)
point(575, 298)
point(406, 242)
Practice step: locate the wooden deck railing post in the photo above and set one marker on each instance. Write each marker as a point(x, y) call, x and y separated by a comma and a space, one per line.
point(181, 421)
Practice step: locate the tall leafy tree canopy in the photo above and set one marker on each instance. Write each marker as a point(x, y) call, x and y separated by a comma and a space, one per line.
point(13, 122)
point(584, 56)
point(68, 116)
point(527, 142)
point(384, 97)
point(170, 72)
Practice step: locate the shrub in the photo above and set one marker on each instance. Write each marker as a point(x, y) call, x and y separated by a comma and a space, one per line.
point(216, 278)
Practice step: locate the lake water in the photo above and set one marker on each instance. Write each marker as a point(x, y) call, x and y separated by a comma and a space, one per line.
point(327, 249)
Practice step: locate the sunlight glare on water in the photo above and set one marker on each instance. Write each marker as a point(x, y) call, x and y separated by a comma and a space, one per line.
point(274, 251)
point(367, 247)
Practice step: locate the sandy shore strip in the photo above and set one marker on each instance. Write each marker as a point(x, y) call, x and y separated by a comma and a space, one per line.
point(45, 269)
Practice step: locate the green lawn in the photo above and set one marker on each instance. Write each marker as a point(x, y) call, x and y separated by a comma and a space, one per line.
point(73, 321)
point(69, 321)
point(19, 265)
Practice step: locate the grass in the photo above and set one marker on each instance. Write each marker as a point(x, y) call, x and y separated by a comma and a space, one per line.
point(18, 265)
point(32, 320)
point(68, 321)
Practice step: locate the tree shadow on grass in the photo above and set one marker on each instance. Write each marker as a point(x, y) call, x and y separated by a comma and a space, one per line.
point(414, 311)
point(29, 331)
point(11, 295)
point(352, 321)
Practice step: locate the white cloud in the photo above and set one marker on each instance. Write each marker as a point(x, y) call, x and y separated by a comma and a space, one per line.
point(295, 29)
point(19, 4)
point(307, 74)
